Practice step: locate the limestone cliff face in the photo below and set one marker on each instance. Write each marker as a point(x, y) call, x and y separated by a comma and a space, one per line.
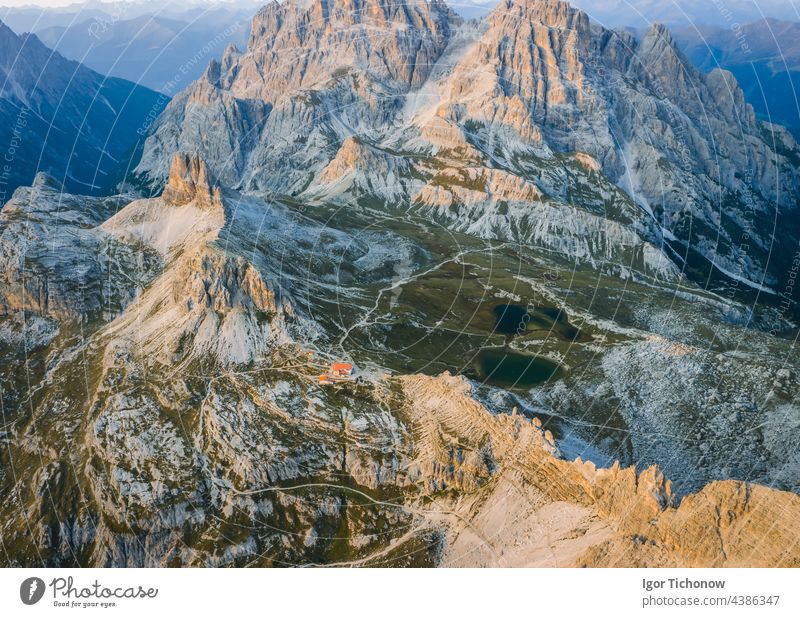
point(534, 53)
point(353, 156)
point(721, 526)
point(473, 185)
point(208, 120)
point(209, 299)
point(310, 68)
point(55, 264)
point(680, 142)
point(528, 90)
point(389, 39)
point(360, 168)
point(64, 262)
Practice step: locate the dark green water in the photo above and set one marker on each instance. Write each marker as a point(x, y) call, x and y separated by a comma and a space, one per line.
point(501, 366)
point(518, 319)
point(511, 319)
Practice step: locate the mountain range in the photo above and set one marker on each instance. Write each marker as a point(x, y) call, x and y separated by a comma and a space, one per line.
point(159, 52)
point(166, 46)
point(763, 56)
point(643, 13)
point(33, 18)
point(688, 150)
point(558, 259)
point(60, 117)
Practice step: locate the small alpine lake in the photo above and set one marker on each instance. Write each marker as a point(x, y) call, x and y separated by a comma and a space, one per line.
point(519, 320)
point(507, 368)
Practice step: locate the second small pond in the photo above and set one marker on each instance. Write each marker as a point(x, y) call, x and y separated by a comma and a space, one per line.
point(504, 367)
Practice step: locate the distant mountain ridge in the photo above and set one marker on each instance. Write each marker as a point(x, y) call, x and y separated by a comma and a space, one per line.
point(33, 18)
point(764, 56)
point(63, 118)
point(162, 53)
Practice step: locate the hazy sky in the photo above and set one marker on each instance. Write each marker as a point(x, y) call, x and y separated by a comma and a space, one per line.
point(26, 2)
point(36, 2)
point(608, 12)
point(15, 3)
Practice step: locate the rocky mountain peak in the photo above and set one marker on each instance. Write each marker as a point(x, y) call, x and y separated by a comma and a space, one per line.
point(5, 31)
point(661, 64)
point(551, 13)
point(391, 36)
point(660, 32)
point(190, 181)
point(212, 73)
point(306, 20)
point(533, 53)
point(228, 56)
point(352, 153)
point(658, 46)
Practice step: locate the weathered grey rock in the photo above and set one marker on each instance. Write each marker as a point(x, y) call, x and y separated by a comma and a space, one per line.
point(55, 263)
point(534, 82)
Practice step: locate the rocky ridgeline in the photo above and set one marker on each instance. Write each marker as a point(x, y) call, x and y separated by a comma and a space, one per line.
point(393, 40)
point(522, 504)
point(535, 90)
point(55, 262)
point(188, 181)
point(63, 262)
point(208, 300)
point(60, 117)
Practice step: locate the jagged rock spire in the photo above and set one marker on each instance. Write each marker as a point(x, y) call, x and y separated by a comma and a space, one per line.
point(190, 181)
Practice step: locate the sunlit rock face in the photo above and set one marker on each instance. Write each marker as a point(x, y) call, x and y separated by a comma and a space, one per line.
point(393, 40)
point(189, 181)
point(531, 84)
point(309, 66)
